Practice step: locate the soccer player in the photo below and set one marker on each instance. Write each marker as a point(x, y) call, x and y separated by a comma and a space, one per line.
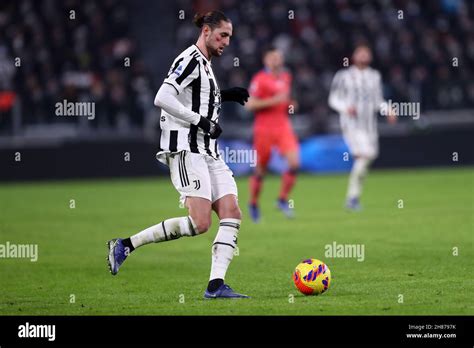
point(356, 94)
point(270, 91)
point(190, 100)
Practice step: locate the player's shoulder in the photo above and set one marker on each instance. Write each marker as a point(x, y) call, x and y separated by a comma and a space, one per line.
point(341, 73)
point(258, 82)
point(190, 53)
point(261, 74)
point(374, 72)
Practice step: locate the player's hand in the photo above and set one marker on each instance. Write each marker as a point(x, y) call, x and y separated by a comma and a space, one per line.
point(236, 94)
point(295, 104)
point(352, 111)
point(215, 131)
point(210, 127)
point(392, 117)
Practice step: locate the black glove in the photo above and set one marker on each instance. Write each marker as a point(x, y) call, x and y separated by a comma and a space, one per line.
point(210, 127)
point(237, 94)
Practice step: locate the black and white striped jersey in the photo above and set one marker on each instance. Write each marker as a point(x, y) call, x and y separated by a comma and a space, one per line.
point(192, 76)
point(361, 88)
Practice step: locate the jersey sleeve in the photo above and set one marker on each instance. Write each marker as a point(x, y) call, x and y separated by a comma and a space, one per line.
point(379, 99)
point(257, 87)
point(182, 73)
point(338, 93)
point(290, 85)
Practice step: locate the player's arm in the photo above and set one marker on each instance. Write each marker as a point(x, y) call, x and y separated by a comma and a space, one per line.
point(293, 101)
point(259, 98)
point(166, 99)
point(338, 96)
point(255, 104)
point(179, 77)
point(392, 116)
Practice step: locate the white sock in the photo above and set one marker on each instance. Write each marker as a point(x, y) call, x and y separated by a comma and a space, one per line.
point(223, 247)
point(358, 172)
point(166, 230)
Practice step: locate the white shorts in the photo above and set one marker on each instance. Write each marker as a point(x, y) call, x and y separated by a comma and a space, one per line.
point(199, 175)
point(362, 143)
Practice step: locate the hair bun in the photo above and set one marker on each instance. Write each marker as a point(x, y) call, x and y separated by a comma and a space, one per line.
point(211, 18)
point(198, 20)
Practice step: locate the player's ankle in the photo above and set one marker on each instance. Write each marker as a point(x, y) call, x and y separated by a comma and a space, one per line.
point(127, 243)
point(214, 284)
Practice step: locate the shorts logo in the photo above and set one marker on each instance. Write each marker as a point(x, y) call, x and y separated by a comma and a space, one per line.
point(197, 184)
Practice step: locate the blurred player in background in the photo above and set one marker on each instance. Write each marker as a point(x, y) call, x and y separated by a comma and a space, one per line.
point(270, 98)
point(356, 94)
point(190, 100)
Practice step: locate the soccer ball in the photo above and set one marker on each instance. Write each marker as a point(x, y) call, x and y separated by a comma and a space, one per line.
point(312, 277)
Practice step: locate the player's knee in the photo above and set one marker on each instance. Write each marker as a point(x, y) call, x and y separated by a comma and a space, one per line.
point(203, 223)
point(297, 163)
point(234, 212)
point(260, 171)
point(294, 166)
point(294, 162)
point(369, 156)
point(204, 226)
point(237, 213)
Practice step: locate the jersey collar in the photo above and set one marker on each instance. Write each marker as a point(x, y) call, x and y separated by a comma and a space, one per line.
point(269, 72)
point(202, 54)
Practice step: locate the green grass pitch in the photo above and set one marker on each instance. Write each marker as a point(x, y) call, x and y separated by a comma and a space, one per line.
point(418, 259)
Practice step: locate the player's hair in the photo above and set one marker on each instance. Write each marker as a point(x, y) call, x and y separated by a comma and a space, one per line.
point(212, 19)
point(362, 44)
point(267, 49)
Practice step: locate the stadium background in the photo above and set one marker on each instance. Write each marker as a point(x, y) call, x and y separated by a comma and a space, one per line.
point(426, 57)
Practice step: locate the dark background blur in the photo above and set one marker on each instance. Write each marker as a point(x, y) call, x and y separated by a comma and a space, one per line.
point(115, 54)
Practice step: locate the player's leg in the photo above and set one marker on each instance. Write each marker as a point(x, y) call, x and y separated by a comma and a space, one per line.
point(224, 193)
point(197, 222)
point(256, 185)
point(263, 146)
point(225, 243)
point(354, 189)
point(187, 170)
point(288, 146)
point(364, 151)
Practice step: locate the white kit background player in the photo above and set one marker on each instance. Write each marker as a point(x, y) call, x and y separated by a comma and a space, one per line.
point(356, 94)
point(190, 100)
